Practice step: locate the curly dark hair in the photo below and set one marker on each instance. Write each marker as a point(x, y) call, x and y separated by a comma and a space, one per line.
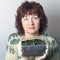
point(31, 8)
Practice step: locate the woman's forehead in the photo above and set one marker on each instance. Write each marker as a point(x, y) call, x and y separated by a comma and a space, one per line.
point(30, 14)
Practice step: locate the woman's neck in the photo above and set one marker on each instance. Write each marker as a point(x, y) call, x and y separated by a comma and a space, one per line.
point(28, 35)
point(31, 36)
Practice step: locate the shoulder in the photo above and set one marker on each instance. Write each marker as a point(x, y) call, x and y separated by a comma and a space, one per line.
point(53, 47)
point(13, 35)
point(49, 37)
point(13, 38)
point(51, 40)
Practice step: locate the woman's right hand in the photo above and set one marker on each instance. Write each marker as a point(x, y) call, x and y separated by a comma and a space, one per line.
point(25, 58)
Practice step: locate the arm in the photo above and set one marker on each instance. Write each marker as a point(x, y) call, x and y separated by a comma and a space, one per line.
point(54, 51)
point(11, 51)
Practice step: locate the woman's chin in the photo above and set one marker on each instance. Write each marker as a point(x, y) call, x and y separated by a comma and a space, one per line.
point(32, 32)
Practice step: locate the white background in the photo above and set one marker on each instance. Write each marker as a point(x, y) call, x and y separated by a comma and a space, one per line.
point(7, 19)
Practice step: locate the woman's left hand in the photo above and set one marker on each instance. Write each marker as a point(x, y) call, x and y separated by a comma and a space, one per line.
point(44, 56)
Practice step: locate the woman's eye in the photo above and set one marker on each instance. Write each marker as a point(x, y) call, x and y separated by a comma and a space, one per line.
point(25, 19)
point(35, 17)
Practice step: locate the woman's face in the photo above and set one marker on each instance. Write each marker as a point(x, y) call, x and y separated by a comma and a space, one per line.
point(31, 23)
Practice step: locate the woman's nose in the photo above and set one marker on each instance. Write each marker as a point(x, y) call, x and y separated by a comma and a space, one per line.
point(31, 22)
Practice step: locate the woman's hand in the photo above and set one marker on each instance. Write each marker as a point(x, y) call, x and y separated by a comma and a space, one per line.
point(25, 58)
point(44, 56)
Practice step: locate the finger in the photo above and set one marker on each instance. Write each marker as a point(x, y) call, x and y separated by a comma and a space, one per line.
point(25, 58)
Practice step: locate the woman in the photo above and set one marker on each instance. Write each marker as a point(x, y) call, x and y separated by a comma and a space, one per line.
point(31, 22)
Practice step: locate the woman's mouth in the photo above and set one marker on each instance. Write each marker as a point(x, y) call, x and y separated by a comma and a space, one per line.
point(31, 27)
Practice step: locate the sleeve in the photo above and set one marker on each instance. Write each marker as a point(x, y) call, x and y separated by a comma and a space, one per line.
point(11, 50)
point(53, 51)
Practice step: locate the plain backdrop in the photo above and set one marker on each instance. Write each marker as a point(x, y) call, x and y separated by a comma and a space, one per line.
point(7, 20)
